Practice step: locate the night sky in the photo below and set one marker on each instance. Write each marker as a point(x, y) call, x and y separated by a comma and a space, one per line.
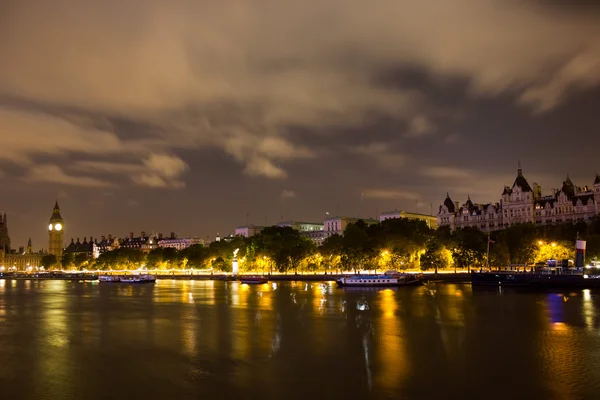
point(186, 116)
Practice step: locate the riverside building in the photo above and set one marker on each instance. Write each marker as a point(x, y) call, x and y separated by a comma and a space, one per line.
point(524, 203)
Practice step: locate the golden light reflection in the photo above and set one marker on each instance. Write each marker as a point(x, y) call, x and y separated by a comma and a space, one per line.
point(392, 348)
point(240, 321)
point(560, 344)
point(266, 298)
point(589, 313)
point(560, 327)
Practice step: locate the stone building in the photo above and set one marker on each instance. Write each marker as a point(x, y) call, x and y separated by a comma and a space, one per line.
point(337, 225)
point(524, 203)
point(4, 237)
point(87, 248)
point(248, 230)
point(55, 233)
point(21, 261)
point(144, 242)
point(177, 243)
point(430, 220)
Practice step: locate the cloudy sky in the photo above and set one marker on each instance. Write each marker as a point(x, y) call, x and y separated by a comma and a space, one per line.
point(195, 116)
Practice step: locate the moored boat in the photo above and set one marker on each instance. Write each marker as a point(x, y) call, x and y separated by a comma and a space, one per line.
point(388, 279)
point(253, 280)
point(141, 278)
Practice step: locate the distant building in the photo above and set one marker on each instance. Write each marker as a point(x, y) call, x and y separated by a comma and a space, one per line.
point(55, 233)
point(89, 249)
point(106, 244)
point(177, 243)
point(144, 242)
point(303, 226)
point(20, 261)
point(430, 220)
point(316, 236)
point(247, 230)
point(337, 225)
point(522, 203)
point(4, 237)
point(312, 230)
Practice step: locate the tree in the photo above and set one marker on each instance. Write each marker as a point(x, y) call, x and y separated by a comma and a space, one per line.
point(285, 247)
point(470, 247)
point(358, 249)
point(593, 247)
point(121, 258)
point(331, 250)
point(197, 256)
point(499, 255)
point(80, 259)
point(521, 241)
point(434, 257)
point(49, 261)
point(563, 250)
point(67, 260)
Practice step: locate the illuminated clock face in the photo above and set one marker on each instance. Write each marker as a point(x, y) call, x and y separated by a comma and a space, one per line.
point(50, 227)
point(58, 227)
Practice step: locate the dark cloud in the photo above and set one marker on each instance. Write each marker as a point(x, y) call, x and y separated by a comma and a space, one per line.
point(218, 109)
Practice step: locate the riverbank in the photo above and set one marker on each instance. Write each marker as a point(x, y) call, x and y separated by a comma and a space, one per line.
point(82, 276)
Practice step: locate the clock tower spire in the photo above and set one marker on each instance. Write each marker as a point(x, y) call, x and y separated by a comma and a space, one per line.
point(55, 233)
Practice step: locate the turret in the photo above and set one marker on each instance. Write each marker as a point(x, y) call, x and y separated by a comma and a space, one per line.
point(55, 232)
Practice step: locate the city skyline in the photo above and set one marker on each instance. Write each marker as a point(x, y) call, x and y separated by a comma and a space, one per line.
point(186, 117)
point(420, 208)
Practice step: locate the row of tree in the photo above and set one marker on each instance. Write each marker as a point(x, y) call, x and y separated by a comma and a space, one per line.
point(393, 244)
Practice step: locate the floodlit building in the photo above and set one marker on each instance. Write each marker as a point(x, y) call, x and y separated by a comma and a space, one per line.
point(303, 226)
point(177, 243)
point(337, 225)
point(524, 203)
point(430, 220)
point(248, 230)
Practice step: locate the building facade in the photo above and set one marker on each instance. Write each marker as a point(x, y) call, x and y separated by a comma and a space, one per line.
point(430, 220)
point(88, 248)
point(179, 244)
point(145, 243)
point(302, 226)
point(247, 230)
point(337, 225)
point(524, 203)
point(4, 237)
point(25, 260)
point(55, 233)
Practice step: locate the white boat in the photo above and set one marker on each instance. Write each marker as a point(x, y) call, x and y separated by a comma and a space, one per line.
point(141, 278)
point(390, 278)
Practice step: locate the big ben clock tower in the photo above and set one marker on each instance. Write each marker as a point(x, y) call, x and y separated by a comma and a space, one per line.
point(55, 233)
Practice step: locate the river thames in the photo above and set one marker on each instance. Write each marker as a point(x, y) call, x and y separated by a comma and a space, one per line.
point(294, 340)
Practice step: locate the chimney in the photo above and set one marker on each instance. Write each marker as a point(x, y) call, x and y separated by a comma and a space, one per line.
point(78, 241)
point(143, 235)
point(160, 235)
point(172, 235)
point(109, 237)
point(103, 238)
point(130, 235)
point(21, 250)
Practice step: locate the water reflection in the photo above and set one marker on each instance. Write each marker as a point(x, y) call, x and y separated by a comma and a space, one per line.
point(392, 353)
point(225, 339)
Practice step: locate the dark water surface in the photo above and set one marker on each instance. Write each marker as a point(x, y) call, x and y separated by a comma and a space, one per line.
point(294, 340)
